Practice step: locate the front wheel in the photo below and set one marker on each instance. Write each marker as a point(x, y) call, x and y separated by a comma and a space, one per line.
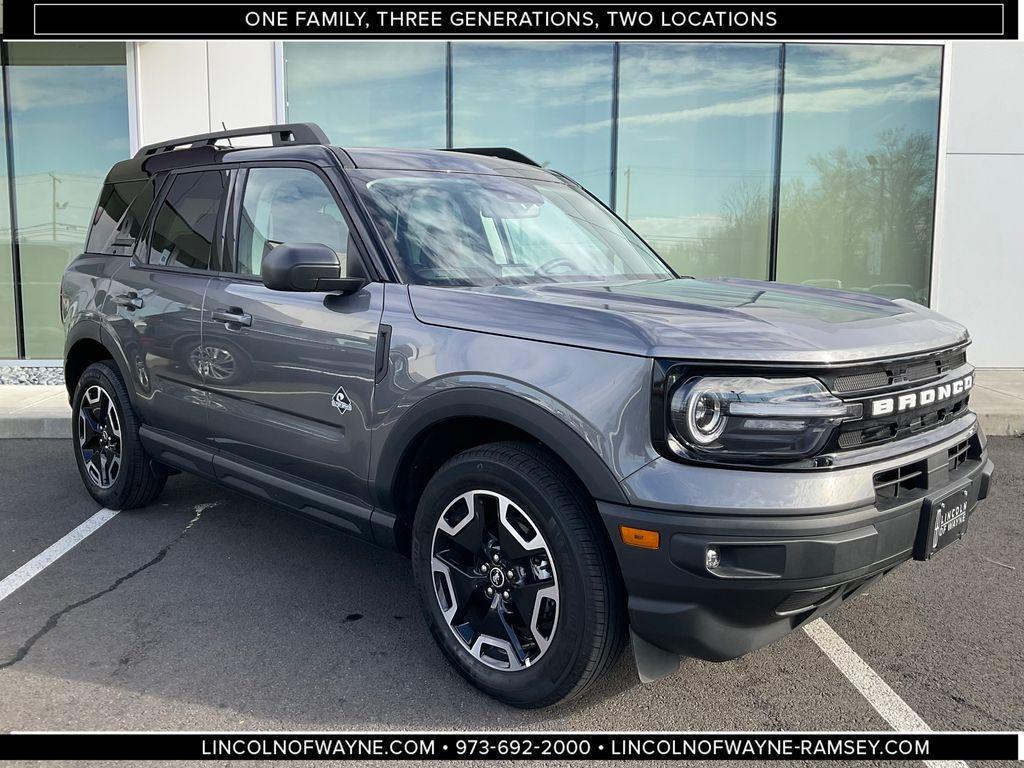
point(515, 575)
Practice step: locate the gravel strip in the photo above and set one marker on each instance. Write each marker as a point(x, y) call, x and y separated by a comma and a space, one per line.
point(18, 374)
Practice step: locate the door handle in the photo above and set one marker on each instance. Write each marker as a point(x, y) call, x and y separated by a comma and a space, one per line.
point(232, 316)
point(128, 300)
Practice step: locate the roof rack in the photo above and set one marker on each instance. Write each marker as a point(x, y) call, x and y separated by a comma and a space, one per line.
point(288, 133)
point(505, 153)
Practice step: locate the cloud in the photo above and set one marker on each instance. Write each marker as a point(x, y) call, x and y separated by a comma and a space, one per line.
point(823, 101)
point(346, 65)
point(64, 86)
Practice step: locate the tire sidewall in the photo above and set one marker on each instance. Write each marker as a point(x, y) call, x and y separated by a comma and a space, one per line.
point(560, 660)
point(101, 375)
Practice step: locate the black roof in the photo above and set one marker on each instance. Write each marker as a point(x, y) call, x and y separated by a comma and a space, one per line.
point(307, 142)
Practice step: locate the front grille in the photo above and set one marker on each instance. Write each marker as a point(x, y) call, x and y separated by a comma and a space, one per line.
point(905, 372)
point(859, 434)
point(893, 377)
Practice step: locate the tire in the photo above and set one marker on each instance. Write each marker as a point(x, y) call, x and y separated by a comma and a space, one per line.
point(137, 480)
point(575, 602)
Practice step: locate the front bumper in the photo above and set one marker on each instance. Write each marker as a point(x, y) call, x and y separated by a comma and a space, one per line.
point(778, 570)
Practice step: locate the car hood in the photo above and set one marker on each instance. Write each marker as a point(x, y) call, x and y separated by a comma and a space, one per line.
point(723, 319)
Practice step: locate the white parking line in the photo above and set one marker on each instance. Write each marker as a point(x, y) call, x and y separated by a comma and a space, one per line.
point(894, 710)
point(53, 552)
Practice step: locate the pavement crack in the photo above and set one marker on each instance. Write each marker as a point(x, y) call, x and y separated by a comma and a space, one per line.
point(54, 619)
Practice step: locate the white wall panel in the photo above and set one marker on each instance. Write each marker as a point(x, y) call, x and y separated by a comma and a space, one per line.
point(987, 97)
point(979, 250)
point(174, 95)
point(982, 269)
point(241, 83)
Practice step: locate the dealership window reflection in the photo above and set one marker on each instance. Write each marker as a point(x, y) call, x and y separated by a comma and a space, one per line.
point(859, 134)
point(550, 101)
point(69, 110)
point(8, 329)
point(695, 141)
point(386, 94)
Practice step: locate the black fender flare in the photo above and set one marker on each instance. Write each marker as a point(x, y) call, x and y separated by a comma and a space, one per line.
point(516, 411)
point(95, 331)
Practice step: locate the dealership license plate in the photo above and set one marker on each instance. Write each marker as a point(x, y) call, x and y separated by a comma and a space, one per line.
point(943, 521)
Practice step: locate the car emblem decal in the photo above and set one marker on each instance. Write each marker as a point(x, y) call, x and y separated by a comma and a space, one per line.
point(341, 401)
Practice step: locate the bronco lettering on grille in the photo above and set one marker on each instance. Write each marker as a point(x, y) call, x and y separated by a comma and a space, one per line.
point(883, 406)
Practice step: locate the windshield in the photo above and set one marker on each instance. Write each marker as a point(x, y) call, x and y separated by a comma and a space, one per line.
point(467, 229)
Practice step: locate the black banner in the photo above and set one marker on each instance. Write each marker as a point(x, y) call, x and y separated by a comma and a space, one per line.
point(906, 20)
point(518, 746)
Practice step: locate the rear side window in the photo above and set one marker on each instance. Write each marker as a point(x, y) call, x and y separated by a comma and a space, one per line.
point(119, 217)
point(186, 224)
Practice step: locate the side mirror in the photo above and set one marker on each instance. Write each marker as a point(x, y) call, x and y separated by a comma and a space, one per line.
point(306, 267)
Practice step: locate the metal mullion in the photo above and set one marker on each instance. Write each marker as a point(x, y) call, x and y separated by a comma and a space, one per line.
point(614, 155)
point(773, 225)
point(19, 315)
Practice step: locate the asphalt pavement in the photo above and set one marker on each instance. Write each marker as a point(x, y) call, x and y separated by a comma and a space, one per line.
point(208, 611)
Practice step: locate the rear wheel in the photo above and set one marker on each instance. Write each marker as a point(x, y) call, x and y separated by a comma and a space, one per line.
point(105, 433)
point(516, 578)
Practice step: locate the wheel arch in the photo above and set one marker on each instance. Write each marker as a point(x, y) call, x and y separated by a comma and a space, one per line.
point(87, 343)
point(446, 423)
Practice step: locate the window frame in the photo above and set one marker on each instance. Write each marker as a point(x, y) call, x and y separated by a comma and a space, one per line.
point(163, 187)
point(233, 218)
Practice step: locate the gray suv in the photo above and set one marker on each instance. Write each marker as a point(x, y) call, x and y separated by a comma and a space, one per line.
point(469, 359)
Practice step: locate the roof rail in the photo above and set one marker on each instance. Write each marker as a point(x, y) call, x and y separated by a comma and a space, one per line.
point(287, 133)
point(505, 153)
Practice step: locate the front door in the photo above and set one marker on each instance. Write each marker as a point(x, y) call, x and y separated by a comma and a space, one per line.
point(290, 375)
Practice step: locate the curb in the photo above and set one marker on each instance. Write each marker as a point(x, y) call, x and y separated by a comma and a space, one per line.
point(24, 427)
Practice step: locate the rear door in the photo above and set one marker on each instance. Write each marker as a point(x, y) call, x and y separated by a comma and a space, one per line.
point(290, 375)
point(155, 301)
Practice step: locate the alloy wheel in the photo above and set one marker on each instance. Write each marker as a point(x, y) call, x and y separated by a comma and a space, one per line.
point(494, 579)
point(99, 436)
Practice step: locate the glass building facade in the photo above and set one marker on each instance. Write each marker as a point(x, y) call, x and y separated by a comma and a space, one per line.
point(803, 163)
point(800, 162)
point(65, 124)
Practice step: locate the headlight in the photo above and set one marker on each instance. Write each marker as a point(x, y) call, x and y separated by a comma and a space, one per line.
point(753, 419)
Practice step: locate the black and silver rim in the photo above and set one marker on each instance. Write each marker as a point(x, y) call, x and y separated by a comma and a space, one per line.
point(99, 436)
point(495, 580)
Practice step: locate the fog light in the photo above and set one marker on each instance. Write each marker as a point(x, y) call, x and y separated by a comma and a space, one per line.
point(712, 559)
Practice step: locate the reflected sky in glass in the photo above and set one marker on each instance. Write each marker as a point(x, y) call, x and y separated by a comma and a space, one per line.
point(387, 94)
point(8, 338)
point(550, 101)
point(859, 135)
point(69, 108)
point(696, 134)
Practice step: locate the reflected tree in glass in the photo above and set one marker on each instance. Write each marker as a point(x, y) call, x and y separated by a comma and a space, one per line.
point(858, 168)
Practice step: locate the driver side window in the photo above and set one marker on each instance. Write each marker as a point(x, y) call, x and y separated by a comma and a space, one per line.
point(287, 205)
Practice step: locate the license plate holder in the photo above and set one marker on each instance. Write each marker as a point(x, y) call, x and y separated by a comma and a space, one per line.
point(943, 521)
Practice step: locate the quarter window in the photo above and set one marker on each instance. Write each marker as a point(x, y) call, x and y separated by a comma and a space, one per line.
point(183, 233)
point(119, 217)
point(287, 205)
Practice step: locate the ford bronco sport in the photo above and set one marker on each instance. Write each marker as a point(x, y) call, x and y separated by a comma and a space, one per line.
point(468, 358)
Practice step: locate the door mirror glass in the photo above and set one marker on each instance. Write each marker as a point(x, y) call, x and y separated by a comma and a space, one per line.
point(306, 267)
